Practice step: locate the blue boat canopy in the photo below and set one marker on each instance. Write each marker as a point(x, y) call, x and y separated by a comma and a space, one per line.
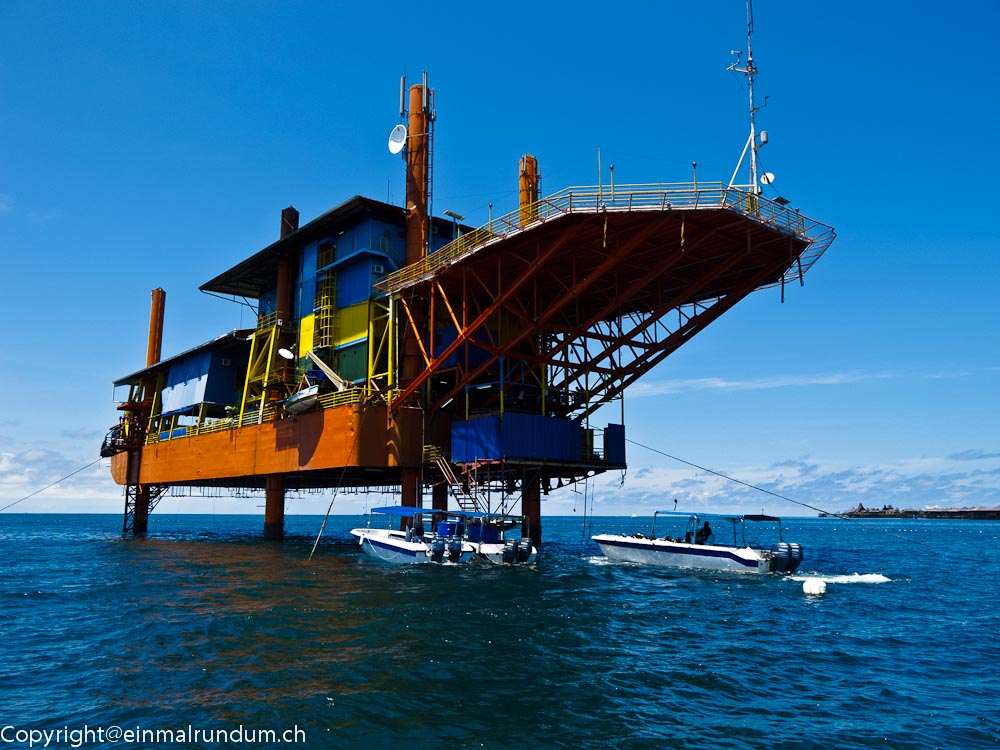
point(727, 516)
point(407, 511)
point(399, 510)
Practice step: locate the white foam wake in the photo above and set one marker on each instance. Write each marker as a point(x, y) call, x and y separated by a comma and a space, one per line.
point(856, 578)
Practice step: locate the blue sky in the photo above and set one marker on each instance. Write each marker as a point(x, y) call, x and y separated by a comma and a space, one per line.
point(154, 144)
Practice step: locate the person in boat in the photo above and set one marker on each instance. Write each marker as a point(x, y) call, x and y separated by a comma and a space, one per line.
point(703, 534)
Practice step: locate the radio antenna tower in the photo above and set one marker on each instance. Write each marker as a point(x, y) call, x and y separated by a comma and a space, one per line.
point(753, 143)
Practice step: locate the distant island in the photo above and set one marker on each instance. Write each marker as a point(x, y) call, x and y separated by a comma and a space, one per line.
point(980, 513)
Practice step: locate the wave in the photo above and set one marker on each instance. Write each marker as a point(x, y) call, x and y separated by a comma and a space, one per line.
point(855, 578)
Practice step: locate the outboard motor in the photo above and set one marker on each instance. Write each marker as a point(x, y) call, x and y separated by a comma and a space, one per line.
point(437, 550)
point(510, 551)
point(796, 556)
point(455, 550)
point(786, 557)
point(524, 549)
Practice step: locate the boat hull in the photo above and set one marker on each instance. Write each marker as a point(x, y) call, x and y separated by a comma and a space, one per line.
point(501, 554)
point(667, 554)
point(393, 547)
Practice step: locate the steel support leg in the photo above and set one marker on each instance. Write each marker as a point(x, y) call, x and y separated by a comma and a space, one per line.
point(439, 496)
point(140, 513)
point(531, 507)
point(274, 508)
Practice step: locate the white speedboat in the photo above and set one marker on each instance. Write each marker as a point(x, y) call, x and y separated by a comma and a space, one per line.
point(701, 546)
point(455, 537)
point(302, 400)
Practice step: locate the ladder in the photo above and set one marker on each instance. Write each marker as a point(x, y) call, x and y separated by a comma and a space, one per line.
point(325, 307)
point(132, 492)
point(467, 499)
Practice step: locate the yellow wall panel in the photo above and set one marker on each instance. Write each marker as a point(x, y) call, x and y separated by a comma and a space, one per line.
point(306, 328)
point(352, 323)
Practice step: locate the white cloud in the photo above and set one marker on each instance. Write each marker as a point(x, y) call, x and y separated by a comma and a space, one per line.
point(667, 387)
point(910, 483)
point(84, 434)
point(37, 480)
point(974, 454)
point(947, 481)
point(847, 377)
point(6, 203)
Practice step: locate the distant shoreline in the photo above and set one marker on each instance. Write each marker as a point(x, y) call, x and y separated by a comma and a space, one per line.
point(980, 514)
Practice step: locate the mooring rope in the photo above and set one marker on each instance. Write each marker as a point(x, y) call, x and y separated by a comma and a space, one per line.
point(357, 439)
point(732, 479)
point(774, 494)
point(53, 484)
point(323, 525)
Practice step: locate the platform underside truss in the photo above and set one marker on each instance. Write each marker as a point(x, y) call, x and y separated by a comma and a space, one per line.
point(583, 304)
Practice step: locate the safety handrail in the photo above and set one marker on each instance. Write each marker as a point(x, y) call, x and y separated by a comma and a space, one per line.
point(254, 417)
point(622, 198)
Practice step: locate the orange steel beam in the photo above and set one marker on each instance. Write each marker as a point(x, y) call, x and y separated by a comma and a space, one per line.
point(327, 441)
point(568, 296)
point(574, 296)
point(654, 273)
point(417, 223)
point(617, 295)
point(531, 317)
point(528, 189)
point(444, 298)
point(492, 308)
point(677, 301)
point(155, 342)
point(617, 299)
point(578, 368)
point(141, 492)
point(674, 341)
point(416, 177)
point(614, 302)
point(676, 338)
point(490, 342)
point(413, 330)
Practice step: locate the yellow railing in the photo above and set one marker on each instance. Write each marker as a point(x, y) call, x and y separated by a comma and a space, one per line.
point(342, 398)
point(267, 321)
point(622, 198)
point(270, 413)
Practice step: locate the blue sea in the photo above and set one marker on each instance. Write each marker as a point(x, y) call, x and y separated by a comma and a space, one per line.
point(213, 638)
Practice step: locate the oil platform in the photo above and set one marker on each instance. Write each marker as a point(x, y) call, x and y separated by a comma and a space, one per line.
point(398, 352)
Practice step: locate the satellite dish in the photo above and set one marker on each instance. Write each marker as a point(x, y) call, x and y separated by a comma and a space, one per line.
point(397, 139)
point(767, 178)
point(286, 353)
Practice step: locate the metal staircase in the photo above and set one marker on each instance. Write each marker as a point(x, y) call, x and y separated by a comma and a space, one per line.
point(467, 499)
point(133, 494)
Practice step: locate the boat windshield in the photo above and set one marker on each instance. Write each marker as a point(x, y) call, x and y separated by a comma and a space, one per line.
point(700, 529)
point(500, 521)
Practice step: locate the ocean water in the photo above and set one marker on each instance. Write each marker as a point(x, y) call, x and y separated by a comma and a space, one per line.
point(201, 628)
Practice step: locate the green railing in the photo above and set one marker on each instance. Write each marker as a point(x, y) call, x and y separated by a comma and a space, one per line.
point(623, 198)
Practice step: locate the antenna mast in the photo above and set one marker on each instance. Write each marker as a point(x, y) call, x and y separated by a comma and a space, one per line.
point(750, 71)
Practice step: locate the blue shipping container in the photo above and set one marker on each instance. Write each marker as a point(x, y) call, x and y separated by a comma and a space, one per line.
point(516, 436)
point(614, 444)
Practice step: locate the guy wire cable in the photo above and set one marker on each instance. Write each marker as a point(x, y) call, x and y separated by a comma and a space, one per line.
point(53, 484)
point(773, 494)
